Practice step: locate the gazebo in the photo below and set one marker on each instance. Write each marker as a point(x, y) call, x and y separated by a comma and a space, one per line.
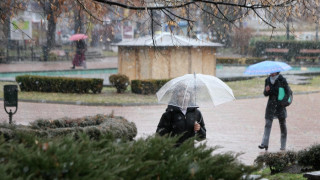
point(172, 56)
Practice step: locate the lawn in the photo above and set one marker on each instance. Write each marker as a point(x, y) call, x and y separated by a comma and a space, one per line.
point(266, 173)
point(241, 89)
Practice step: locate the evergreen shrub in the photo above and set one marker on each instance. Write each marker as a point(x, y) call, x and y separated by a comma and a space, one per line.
point(310, 157)
point(29, 157)
point(278, 161)
point(59, 84)
point(150, 86)
point(120, 82)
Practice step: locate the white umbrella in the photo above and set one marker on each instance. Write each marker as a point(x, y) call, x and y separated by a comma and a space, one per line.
point(196, 90)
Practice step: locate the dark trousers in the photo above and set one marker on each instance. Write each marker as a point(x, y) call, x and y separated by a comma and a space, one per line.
point(267, 131)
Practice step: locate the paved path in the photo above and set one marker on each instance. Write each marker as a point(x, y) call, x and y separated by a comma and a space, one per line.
point(236, 126)
point(24, 66)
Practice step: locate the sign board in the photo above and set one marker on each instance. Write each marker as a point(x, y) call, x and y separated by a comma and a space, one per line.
point(21, 28)
point(10, 95)
point(127, 32)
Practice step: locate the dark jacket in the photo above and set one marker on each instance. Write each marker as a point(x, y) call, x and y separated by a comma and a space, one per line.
point(274, 108)
point(174, 122)
point(81, 47)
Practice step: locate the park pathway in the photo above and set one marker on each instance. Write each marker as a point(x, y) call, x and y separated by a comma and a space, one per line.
point(235, 126)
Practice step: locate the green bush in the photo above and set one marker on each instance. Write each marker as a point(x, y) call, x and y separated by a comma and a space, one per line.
point(150, 86)
point(59, 84)
point(310, 157)
point(151, 158)
point(278, 161)
point(120, 82)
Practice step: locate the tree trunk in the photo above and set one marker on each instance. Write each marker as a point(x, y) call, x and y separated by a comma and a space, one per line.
point(78, 22)
point(288, 28)
point(6, 31)
point(51, 40)
point(317, 30)
point(50, 33)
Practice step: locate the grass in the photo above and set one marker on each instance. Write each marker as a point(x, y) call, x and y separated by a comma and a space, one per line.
point(108, 95)
point(109, 53)
point(266, 173)
point(241, 89)
point(254, 87)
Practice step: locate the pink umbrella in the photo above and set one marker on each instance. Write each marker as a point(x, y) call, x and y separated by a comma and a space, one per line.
point(77, 37)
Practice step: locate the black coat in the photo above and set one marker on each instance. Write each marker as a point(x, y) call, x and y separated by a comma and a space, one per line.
point(274, 108)
point(81, 46)
point(174, 122)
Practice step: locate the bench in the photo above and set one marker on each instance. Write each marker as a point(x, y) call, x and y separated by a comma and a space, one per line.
point(315, 175)
point(59, 53)
point(311, 54)
point(276, 52)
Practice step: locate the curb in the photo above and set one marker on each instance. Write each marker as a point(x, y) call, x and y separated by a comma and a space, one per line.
point(80, 103)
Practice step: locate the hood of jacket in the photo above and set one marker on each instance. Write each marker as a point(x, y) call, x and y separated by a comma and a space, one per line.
point(176, 108)
point(280, 78)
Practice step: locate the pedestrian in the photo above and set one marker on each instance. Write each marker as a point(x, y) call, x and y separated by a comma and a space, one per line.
point(181, 119)
point(79, 58)
point(274, 109)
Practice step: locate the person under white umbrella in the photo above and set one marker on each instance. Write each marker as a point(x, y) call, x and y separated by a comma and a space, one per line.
point(185, 120)
point(183, 96)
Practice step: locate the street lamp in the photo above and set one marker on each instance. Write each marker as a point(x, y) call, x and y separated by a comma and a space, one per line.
point(10, 99)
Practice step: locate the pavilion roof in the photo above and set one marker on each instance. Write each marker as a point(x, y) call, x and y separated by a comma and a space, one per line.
point(167, 39)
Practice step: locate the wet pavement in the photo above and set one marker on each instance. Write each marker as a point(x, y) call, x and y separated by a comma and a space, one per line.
point(24, 66)
point(235, 126)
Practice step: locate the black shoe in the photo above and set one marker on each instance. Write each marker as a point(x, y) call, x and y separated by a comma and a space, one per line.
point(282, 149)
point(263, 147)
point(72, 67)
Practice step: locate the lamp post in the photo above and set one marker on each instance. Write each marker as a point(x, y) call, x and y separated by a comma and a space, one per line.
point(10, 99)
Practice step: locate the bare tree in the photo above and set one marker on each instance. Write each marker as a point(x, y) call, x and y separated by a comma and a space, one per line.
point(269, 11)
point(215, 15)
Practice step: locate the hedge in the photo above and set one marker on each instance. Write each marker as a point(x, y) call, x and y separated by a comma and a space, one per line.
point(238, 61)
point(94, 126)
point(307, 159)
point(59, 84)
point(120, 82)
point(150, 86)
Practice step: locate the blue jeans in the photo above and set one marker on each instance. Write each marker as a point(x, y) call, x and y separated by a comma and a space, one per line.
point(267, 131)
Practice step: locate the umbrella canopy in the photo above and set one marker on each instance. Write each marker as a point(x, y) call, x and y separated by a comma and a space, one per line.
point(267, 67)
point(77, 37)
point(193, 90)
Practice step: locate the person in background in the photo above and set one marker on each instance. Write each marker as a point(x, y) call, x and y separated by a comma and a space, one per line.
point(79, 58)
point(274, 109)
point(181, 119)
